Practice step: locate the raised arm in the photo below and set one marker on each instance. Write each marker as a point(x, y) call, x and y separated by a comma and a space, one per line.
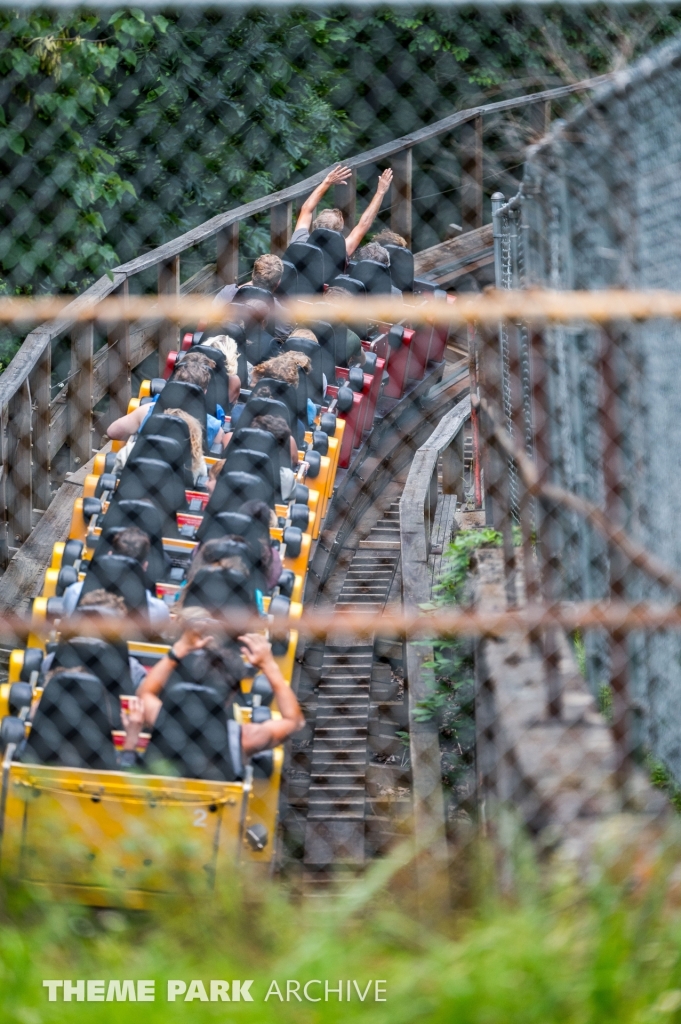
point(335, 177)
point(125, 426)
point(369, 215)
point(269, 734)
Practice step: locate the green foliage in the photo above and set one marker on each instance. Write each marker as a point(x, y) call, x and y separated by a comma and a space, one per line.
point(457, 562)
point(662, 778)
point(556, 954)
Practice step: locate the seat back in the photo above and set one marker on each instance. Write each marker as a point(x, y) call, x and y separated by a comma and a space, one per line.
point(161, 449)
point(288, 286)
point(168, 426)
point(309, 263)
point(121, 575)
point(218, 388)
point(245, 460)
point(191, 736)
point(401, 267)
point(349, 284)
point(326, 336)
point(179, 394)
point(252, 291)
point(234, 487)
point(236, 524)
point(107, 661)
point(334, 254)
point(277, 391)
point(143, 514)
point(315, 353)
point(217, 590)
point(72, 724)
point(258, 440)
point(157, 481)
point(259, 406)
point(374, 276)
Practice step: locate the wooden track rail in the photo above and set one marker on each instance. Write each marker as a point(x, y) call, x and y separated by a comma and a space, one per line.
point(38, 416)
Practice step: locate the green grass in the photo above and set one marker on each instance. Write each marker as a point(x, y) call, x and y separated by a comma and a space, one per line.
point(553, 952)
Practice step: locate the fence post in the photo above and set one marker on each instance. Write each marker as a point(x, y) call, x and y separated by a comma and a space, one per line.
point(41, 387)
point(345, 196)
point(80, 396)
point(471, 175)
point(400, 216)
point(168, 284)
point(19, 485)
point(475, 414)
point(119, 363)
point(227, 242)
point(280, 228)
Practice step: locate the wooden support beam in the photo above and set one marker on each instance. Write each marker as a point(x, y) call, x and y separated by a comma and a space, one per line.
point(80, 400)
point(19, 483)
point(41, 379)
point(452, 467)
point(227, 240)
point(168, 284)
point(119, 363)
point(345, 196)
point(471, 174)
point(280, 228)
point(401, 213)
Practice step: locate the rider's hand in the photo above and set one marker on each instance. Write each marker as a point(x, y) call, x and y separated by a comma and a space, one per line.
point(384, 182)
point(256, 648)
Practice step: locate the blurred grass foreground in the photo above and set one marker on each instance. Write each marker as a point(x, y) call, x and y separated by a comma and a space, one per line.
point(507, 940)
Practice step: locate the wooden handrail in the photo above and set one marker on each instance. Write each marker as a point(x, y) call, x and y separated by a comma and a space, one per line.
point(34, 424)
point(417, 510)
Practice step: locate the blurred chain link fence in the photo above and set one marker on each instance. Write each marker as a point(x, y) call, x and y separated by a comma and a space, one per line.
point(123, 132)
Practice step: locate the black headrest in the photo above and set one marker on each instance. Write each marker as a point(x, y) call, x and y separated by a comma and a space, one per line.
point(315, 354)
point(219, 589)
point(257, 406)
point(72, 724)
point(179, 394)
point(250, 291)
point(192, 737)
point(257, 440)
point(248, 460)
point(233, 330)
point(277, 391)
point(143, 514)
point(374, 276)
point(223, 523)
point(157, 481)
point(167, 426)
point(164, 449)
point(230, 546)
point(401, 267)
point(309, 263)
point(234, 487)
point(218, 357)
point(333, 249)
point(107, 661)
point(118, 574)
point(349, 284)
point(289, 280)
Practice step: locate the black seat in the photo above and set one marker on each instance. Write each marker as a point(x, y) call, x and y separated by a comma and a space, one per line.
point(326, 336)
point(107, 661)
point(217, 590)
point(374, 276)
point(269, 389)
point(236, 524)
point(260, 406)
point(146, 517)
point(309, 263)
point(332, 245)
point(163, 449)
point(288, 286)
point(121, 575)
point(218, 387)
point(244, 460)
point(234, 487)
point(179, 394)
point(251, 291)
point(171, 427)
point(349, 284)
point(315, 353)
point(401, 267)
point(72, 724)
point(159, 483)
point(193, 737)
